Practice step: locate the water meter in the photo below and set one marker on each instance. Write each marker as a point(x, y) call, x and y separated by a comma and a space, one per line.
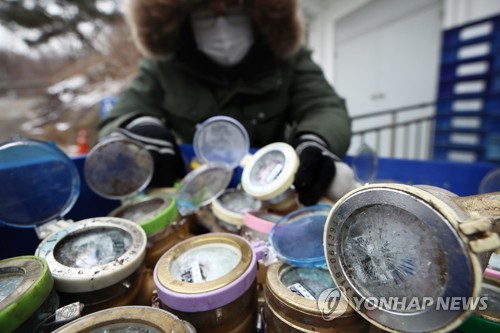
point(229, 208)
point(99, 254)
point(269, 176)
point(220, 143)
point(209, 281)
point(299, 288)
point(298, 297)
point(27, 295)
point(407, 257)
point(128, 319)
point(257, 224)
point(119, 168)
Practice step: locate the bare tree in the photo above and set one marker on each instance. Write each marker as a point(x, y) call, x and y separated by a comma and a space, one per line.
point(49, 19)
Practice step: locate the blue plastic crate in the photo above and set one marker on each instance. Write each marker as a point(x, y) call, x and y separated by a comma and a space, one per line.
point(456, 40)
point(452, 37)
point(453, 56)
point(447, 137)
point(489, 105)
point(483, 87)
point(493, 147)
point(448, 153)
point(471, 69)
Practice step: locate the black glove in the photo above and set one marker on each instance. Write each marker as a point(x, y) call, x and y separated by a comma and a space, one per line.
point(321, 173)
point(155, 136)
point(317, 168)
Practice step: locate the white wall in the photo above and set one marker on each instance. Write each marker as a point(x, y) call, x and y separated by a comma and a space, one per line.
point(324, 14)
point(458, 12)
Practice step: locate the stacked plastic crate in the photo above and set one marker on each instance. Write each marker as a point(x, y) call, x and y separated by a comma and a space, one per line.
point(468, 108)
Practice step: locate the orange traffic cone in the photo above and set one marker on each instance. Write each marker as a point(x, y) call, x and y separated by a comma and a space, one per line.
point(82, 146)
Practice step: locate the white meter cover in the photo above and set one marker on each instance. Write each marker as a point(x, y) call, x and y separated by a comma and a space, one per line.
point(39, 183)
point(93, 254)
point(297, 237)
point(231, 206)
point(271, 171)
point(221, 139)
point(117, 168)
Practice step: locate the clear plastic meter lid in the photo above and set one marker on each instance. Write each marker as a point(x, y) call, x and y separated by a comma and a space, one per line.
point(118, 168)
point(221, 139)
point(297, 237)
point(39, 183)
point(220, 143)
point(201, 186)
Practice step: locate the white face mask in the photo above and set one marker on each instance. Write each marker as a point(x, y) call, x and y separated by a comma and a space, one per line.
point(224, 39)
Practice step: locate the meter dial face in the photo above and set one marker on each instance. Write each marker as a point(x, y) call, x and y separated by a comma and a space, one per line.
point(142, 210)
point(205, 263)
point(306, 282)
point(9, 282)
point(126, 328)
point(267, 168)
point(394, 249)
point(270, 171)
point(238, 201)
point(91, 248)
point(391, 253)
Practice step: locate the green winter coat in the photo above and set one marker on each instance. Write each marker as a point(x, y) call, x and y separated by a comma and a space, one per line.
point(274, 100)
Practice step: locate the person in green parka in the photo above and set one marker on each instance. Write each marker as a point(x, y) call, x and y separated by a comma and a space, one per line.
point(240, 58)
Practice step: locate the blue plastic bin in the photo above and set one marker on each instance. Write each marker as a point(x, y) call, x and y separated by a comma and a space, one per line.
point(460, 178)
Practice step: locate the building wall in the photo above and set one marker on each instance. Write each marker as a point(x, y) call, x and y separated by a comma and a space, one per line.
point(322, 16)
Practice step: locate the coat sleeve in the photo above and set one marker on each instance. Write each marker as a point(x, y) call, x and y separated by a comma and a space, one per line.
point(316, 107)
point(143, 97)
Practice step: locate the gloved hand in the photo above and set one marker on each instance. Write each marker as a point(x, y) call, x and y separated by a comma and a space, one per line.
point(321, 173)
point(156, 137)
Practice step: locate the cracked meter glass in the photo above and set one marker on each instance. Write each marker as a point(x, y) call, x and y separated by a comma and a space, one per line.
point(92, 247)
point(403, 253)
point(392, 253)
point(9, 283)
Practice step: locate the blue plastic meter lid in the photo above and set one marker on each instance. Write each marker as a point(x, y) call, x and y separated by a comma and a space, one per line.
point(297, 237)
point(221, 139)
point(39, 183)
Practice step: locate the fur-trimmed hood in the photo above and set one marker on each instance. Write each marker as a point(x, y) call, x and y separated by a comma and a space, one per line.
point(155, 24)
